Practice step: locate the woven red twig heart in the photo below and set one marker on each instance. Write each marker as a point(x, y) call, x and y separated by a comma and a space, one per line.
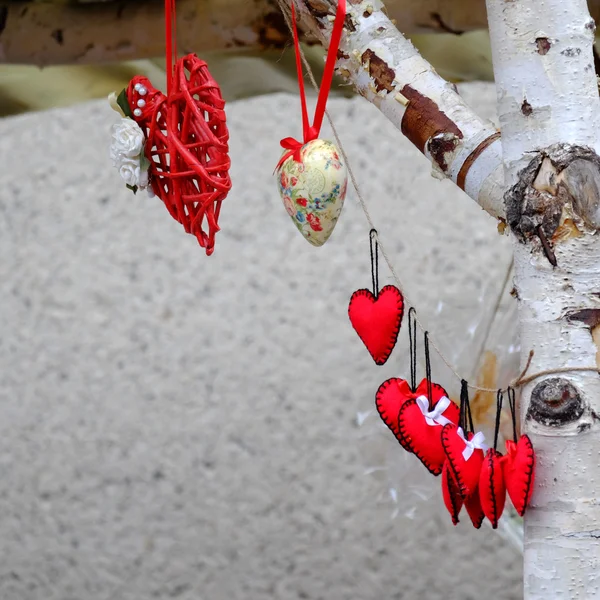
point(187, 145)
point(377, 320)
point(519, 472)
point(492, 489)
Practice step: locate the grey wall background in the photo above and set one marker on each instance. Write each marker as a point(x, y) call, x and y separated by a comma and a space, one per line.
point(174, 426)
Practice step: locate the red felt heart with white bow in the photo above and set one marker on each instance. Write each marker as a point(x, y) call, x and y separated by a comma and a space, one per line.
point(377, 320)
point(393, 393)
point(492, 489)
point(420, 428)
point(465, 457)
point(519, 472)
point(451, 494)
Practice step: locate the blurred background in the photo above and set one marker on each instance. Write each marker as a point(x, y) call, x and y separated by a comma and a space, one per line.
point(177, 426)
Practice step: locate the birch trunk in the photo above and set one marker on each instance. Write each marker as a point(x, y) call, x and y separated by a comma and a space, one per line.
point(549, 114)
point(550, 195)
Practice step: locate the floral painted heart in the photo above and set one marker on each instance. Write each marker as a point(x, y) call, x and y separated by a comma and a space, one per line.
point(519, 472)
point(492, 489)
point(451, 494)
point(465, 457)
point(393, 393)
point(420, 429)
point(313, 189)
point(186, 145)
point(377, 320)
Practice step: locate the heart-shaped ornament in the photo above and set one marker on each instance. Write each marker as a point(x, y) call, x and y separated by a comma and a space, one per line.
point(465, 457)
point(519, 472)
point(474, 509)
point(420, 429)
point(313, 189)
point(377, 320)
point(393, 393)
point(186, 145)
point(492, 489)
point(451, 494)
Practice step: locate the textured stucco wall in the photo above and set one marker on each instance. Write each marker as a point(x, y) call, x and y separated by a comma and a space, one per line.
point(173, 426)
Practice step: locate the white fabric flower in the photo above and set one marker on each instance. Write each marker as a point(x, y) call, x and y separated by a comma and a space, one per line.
point(129, 170)
point(127, 140)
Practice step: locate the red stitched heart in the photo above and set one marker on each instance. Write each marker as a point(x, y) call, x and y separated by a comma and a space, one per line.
point(519, 472)
point(377, 320)
point(474, 509)
point(492, 489)
point(187, 146)
point(466, 472)
point(393, 393)
point(451, 494)
point(424, 438)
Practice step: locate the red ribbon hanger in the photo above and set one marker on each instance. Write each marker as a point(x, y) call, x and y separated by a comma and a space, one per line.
point(170, 41)
point(311, 132)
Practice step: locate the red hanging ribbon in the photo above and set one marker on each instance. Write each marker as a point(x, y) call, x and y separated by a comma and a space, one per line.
point(311, 132)
point(170, 41)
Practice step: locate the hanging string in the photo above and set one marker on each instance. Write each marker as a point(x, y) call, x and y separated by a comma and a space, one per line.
point(170, 42)
point(412, 343)
point(512, 404)
point(499, 401)
point(519, 381)
point(428, 369)
point(311, 132)
point(373, 246)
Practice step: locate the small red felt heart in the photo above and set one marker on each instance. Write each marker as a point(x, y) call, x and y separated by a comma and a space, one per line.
point(492, 489)
point(519, 472)
point(474, 509)
point(451, 493)
point(466, 471)
point(394, 392)
point(424, 435)
point(377, 320)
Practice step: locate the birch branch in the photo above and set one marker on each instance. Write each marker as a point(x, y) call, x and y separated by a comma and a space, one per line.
point(388, 71)
point(550, 120)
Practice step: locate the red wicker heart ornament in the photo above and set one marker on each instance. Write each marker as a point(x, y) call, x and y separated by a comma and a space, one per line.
point(377, 320)
point(519, 472)
point(187, 145)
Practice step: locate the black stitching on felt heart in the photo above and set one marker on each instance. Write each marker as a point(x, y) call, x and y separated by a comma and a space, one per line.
point(407, 439)
point(490, 458)
point(530, 466)
point(480, 517)
point(385, 417)
point(394, 337)
point(457, 476)
point(454, 501)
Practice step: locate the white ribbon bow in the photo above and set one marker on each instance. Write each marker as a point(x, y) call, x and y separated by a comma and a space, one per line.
point(436, 416)
point(475, 443)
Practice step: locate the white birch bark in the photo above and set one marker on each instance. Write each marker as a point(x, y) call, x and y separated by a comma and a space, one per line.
point(548, 106)
point(389, 72)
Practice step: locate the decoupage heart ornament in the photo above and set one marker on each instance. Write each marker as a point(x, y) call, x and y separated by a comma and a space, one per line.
point(465, 457)
point(377, 320)
point(451, 494)
point(492, 489)
point(474, 509)
point(313, 188)
point(312, 178)
point(420, 429)
point(519, 472)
